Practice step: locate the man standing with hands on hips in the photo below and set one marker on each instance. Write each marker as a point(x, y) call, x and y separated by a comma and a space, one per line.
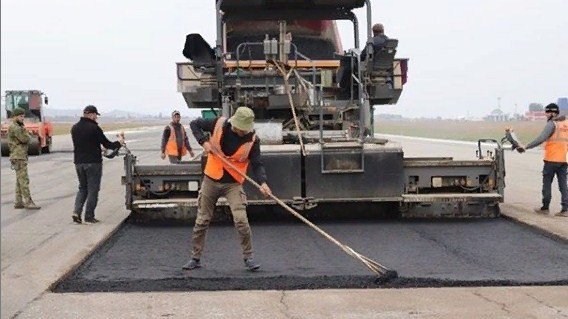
point(236, 141)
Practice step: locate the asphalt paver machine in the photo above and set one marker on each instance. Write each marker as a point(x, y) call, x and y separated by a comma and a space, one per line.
point(313, 103)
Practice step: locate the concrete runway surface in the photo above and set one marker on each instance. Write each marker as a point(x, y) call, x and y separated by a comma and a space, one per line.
point(40, 247)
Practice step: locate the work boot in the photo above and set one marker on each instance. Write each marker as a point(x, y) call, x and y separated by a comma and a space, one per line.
point(76, 218)
point(91, 220)
point(562, 213)
point(192, 264)
point(543, 210)
point(18, 206)
point(251, 265)
point(31, 205)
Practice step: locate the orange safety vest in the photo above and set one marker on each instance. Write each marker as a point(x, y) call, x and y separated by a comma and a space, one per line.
point(214, 167)
point(557, 145)
point(172, 146)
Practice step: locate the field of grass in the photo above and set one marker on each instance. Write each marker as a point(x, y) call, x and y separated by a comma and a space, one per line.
point(65, 128)
point(443, 129)
point(459, 130)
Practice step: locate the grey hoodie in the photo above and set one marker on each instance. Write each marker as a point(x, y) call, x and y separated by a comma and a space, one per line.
point(546, 132)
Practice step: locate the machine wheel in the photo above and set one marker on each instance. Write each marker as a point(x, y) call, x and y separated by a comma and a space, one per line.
point(5, 149)
point(47, 148)
point(34, 148)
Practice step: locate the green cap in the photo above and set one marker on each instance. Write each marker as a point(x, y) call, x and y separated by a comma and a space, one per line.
point(243, 119)
point(18, 111)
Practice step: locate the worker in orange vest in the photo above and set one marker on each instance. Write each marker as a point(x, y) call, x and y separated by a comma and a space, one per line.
point(555, 135)
point(175, 143)
point(235, 140)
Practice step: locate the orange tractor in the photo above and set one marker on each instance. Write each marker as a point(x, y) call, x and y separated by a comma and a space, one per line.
point(39, 128)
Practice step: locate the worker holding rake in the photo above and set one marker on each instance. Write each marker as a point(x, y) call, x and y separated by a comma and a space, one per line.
point(232, 140)
point(232, 146)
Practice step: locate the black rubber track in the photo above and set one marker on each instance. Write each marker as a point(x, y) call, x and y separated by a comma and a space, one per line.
point(425, 254)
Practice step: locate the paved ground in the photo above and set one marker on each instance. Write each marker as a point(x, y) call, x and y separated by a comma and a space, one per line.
point(41, 246)
point(430, 303)
point(424, 253)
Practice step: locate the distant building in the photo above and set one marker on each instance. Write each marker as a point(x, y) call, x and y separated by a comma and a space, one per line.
point(535, 112)
point(536, 107)
point(389, 117)
point(497, 115)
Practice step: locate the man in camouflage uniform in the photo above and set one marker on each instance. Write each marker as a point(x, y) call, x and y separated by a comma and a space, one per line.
point(18, 139)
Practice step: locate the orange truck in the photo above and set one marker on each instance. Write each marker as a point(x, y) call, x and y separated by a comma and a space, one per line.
point(41, 130)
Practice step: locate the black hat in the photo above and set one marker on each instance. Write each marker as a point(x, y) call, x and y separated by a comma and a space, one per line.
point(552, 108)
point(90, 109)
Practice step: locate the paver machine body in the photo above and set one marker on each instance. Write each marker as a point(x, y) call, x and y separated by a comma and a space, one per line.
point(40, 129)
point(313, 104)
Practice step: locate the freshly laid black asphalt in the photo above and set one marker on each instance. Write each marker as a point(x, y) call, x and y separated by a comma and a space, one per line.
point(293, 256)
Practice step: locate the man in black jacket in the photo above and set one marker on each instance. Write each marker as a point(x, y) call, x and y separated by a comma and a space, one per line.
point(377, 42)
point(87, 140)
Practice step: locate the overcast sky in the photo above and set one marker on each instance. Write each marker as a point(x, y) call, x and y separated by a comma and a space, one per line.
point(121, 54)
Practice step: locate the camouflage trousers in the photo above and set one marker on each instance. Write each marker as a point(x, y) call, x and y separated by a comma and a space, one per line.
point(208, 196)
point(22, 181)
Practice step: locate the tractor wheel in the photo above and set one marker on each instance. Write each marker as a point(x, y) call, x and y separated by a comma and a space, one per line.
point(5, 149)
point(47, 148)
point(34, 148)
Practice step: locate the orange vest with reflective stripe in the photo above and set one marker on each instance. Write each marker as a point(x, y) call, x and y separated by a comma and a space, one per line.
point(214, 167)
point(557, 145)
point(172, 146)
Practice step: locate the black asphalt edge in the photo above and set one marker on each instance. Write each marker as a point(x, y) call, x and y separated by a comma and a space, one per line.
point(282, 283)
point(536, 228)
point(54, 286)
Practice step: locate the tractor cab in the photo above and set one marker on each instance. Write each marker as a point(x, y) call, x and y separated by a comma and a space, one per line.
point(31, 101)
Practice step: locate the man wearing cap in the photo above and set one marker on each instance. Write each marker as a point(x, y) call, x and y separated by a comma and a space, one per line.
point(235, 140)
point(175, 143)
point(87, 139)
point(555, 135)
point(18, 140)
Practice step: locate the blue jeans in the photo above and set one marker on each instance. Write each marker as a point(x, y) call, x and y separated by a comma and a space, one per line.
point(548, 171)
point(89, 175)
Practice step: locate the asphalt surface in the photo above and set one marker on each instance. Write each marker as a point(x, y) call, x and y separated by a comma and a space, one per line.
point(424, 253)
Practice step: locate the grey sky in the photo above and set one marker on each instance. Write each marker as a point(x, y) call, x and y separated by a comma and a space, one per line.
point(121, 54)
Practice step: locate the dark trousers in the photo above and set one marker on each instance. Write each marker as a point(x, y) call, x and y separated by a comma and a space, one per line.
point(89, 185)
point(549, 170)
